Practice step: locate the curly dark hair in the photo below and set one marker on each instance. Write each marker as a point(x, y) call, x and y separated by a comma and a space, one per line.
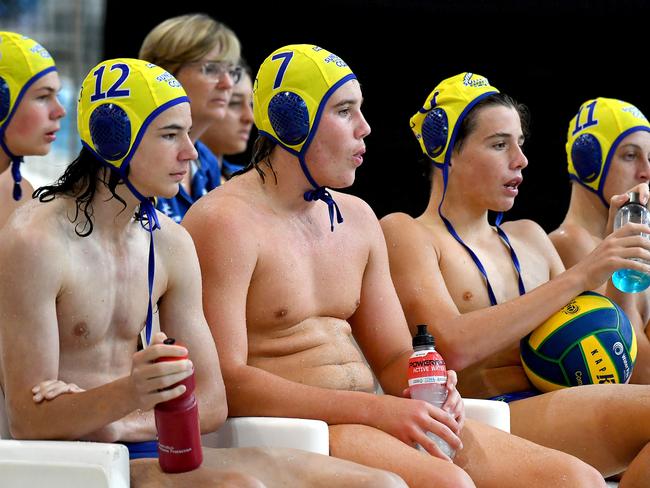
point(80, 181)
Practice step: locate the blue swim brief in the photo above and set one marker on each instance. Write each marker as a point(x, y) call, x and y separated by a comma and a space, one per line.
point(515, 395)
point(144, 449)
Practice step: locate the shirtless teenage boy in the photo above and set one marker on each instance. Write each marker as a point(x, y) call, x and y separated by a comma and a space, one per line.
point(303, 268)
point(608, 152)
point(29, 113)
point(77, 298)
point(482, 288)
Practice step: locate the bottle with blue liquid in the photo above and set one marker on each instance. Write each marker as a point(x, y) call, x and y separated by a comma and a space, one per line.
point(629, 280)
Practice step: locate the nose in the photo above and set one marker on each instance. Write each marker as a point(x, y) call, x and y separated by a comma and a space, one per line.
point(59, 110)
point(189, 151)
point(519, 159)
point(225, 81)
point(363, 129)
point(644, 169)
point(247, 113)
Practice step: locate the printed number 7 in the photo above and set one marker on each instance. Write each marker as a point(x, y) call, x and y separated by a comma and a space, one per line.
point(283, 67)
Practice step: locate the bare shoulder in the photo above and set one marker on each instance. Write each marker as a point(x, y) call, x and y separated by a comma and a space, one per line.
point(528, 233)
point(571, 234)
point(172, 238)
point(355, 209)
point(398, 222)
point(35, 237)
point(226, 208)
point(401, 228)
point(573, 242)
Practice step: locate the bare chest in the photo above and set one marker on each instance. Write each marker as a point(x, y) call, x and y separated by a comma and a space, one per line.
point(105, 294)
point(298, 276)
point(468, 284)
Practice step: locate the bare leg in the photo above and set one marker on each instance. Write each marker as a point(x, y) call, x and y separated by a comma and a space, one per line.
point(294, 468)
point(604, 425)
point(490, 457)
point(495, 459)
point(373, 447)
point(146, 473)
point(636, 475)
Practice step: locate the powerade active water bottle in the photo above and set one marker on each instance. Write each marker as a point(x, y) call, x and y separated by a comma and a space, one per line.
point(428, 378)
point(629, 280)
point(177, 422)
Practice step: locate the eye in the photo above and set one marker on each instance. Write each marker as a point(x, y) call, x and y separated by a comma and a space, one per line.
point(499, 145)
point(169, 136)
point(236, 103)
point(629, 156)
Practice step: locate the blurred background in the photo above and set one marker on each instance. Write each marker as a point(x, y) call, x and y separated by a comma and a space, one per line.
point(550, 55)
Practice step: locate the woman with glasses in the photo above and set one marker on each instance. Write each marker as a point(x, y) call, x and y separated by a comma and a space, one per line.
point(203, 55)
point(230, 135)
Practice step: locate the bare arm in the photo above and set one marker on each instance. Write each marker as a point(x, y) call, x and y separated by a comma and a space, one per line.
point(181, 317)
point(228, 252)
point(424, 296)
point(29, 341)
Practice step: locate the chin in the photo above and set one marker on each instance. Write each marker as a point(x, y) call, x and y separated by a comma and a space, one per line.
point(168, 192)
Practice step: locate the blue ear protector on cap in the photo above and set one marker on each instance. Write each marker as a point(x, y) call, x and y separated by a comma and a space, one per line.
point(435, 130)
point(289, 117)
point(587, 157)
point(4, 98)
point(110, 130)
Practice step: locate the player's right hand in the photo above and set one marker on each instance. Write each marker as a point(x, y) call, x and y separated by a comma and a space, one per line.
point(409, 420)
point(150, 380)
point(614, 253)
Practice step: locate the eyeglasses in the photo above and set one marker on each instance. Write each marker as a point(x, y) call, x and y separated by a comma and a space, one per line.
point(214, 71)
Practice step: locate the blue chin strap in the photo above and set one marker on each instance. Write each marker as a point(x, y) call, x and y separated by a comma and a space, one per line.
point(320, 193)
point(150, 223)
point(16, 161)
point(477, 261)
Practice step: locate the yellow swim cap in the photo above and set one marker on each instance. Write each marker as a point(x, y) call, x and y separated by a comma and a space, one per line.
point(118, 100)
point(22, 62)
point(435, 124)
point(290, 90)
point(593, 136)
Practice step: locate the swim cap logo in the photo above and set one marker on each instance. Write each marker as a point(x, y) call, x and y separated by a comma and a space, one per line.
point(169, 79)
point(468, 80)
point(634, 112)
point(40, 50)
point(333, 58)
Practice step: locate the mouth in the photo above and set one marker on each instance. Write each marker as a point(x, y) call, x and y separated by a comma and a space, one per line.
point(178, 176)
point(51, 135)
point(512, 186)
point(358, 156)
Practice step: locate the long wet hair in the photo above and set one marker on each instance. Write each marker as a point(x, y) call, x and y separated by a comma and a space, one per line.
point(262, 149)
point(79, 181)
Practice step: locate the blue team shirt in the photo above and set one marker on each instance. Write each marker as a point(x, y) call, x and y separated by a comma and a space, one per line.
point(207, 177)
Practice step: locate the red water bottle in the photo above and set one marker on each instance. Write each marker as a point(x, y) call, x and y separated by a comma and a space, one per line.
point(177, 422)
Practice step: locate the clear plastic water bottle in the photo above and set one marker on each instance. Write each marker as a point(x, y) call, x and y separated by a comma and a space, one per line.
point(177, 422)
point(629, 280)
point(427, 377)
